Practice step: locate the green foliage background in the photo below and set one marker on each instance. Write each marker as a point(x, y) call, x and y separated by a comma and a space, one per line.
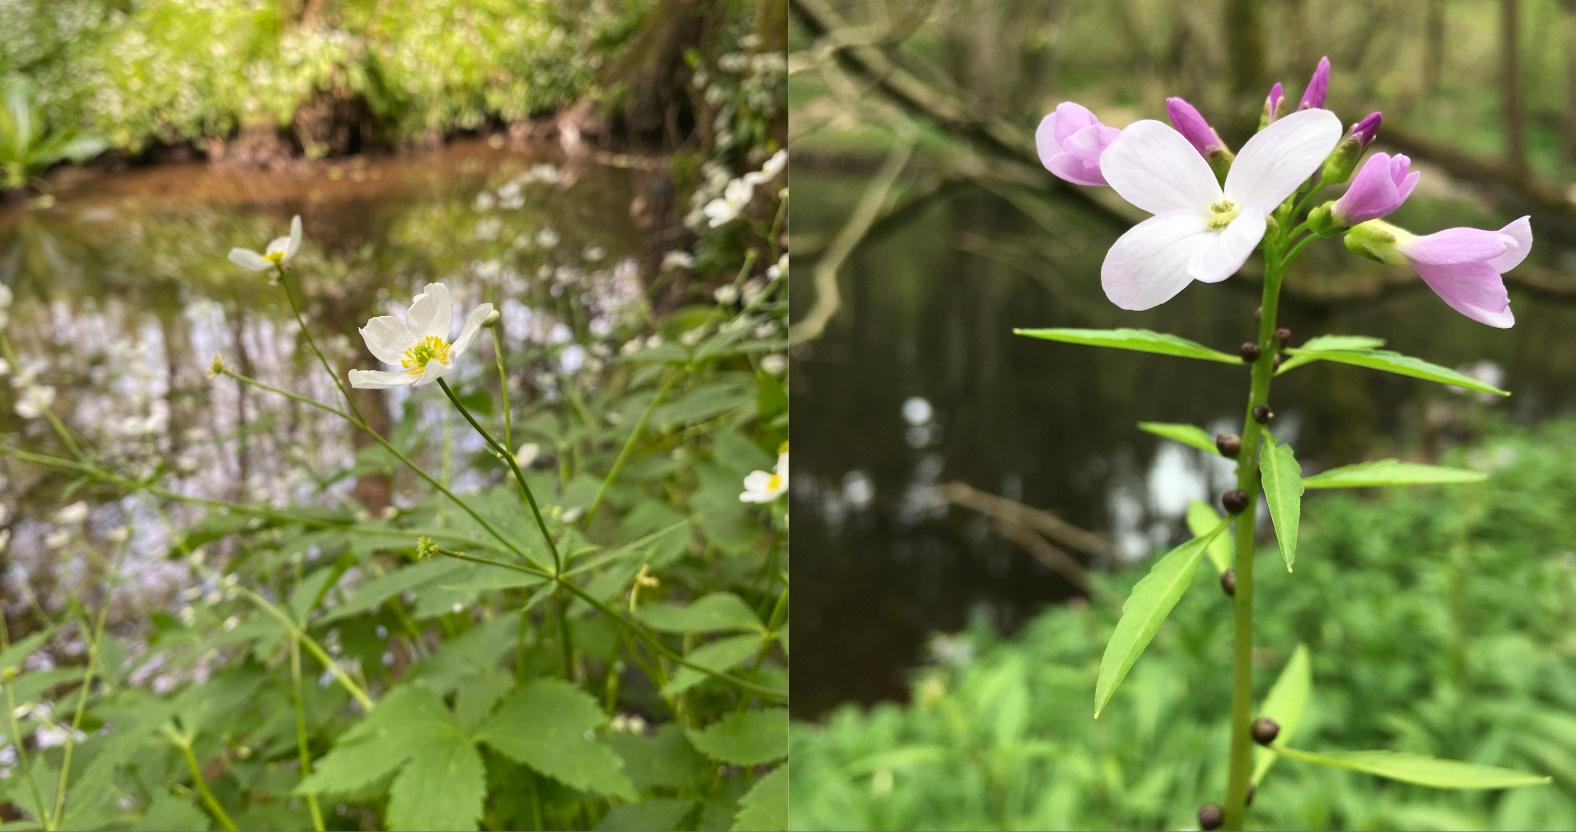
point(1438, 620)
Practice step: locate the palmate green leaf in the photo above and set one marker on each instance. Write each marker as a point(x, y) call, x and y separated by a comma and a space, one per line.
point(1201, 518)
point(1286, 703)
point(20, 650)
point(1152, 600)
point(745, 738)
point(544, 725)
point(401, 726)
point(658, 814)
point(1186, 434)
point(1140, 340)
point(1415, 768)
point(371, 594)
point(441, 788)
point(1387, 472)
point(721, 655)
point(764, 808)
point(1328, 342)
point(1282, 481)
point(712, 613)
point(1393, 362)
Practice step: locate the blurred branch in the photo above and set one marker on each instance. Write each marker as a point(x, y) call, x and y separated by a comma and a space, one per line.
point(1508, 187)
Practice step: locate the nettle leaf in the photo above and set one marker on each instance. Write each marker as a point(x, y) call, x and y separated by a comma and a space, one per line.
point(1186, 434)
point(371, 594)
point(745, 738)
point(1140, 340)
point(1286, 703)
point(1415, 768)
point(764, 808)
point(440, 788)
point(658, 813)
point(1201, 519)
point(544, 726)
point(1152, 600)
point(1282, 481)
point(721, 655)
point(1387, 472)
point(1329, 342)
point(709, 613)
point(1393, 362)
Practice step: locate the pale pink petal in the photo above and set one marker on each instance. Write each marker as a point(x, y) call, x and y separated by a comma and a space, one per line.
point(1154, 168)
point(1457, 245)
point(1068, 118)
point(1474, 289)
point(432, 312)
point(1520, 231)
point(1227, 250)
point(1281, 157)
point(1149, 264)
point(379, 379)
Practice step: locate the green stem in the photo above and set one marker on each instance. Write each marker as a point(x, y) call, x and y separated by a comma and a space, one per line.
point(302, 748)
point(503, 385)
point(23, 758)
point(202, 785)
point(311, 646)
point(629, 447)
point(311, 343)
point(1241, 768)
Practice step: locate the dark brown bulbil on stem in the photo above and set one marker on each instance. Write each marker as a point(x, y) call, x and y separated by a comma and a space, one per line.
point(1249, 351)
point(1283, 336)
point(1210, 816)
point(1228, 582)
point(1229, 444)
point(1234, 500)
point(1263, 414)
point(1265, 730)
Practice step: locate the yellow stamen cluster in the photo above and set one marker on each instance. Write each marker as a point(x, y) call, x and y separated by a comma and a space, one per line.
point(276, 257)
point(1222, 213)
point(423, 351)
point(775, 483)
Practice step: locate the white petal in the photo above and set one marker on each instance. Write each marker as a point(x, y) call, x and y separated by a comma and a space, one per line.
point(279, 245)
point(431, 313)
point(379, 379)
point(473, 325)
point(1279, 158)
point(1148, 265)
point(1153, 167)
point(434, 370)
point(249, 260)
point(295, 237)
point(388, 338)
point(1227, 250)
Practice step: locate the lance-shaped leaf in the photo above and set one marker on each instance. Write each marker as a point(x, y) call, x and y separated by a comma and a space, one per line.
point(1282, 479)
point(1286, 703)
point(1201, 519)
point(1393, 362)
point(1415, 768)
point(1384, 472)
point(1186, 434)
point(1152, 600)
point(1356, 343)
point(1140, 340)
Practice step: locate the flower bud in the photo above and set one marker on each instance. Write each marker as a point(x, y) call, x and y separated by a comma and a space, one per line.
point(216, 369)
point(1211, 817)
point(1228, 582)
point(1340, 164)
point(1283, 336)
point(1263, 414)
point(1229, 444)
point(1272, 105)
point(1381, 186)
point(1249, 351)
point(492, 318)
point(1193, 127)
point(1318, 87)
point(1234, 500)
point(1265, 730)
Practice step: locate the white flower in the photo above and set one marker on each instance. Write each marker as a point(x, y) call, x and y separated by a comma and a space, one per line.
point(35, 401)
point(769, 171)
point(778, 269)
point(278, 252)
point(1200, 231)
point(419, 344)
point(766, 486)
point(72, 514)
point(775, 363)
point(678, 260)
point(57, 539)
point(726, 208)
point(527, 454)
point(727, 294)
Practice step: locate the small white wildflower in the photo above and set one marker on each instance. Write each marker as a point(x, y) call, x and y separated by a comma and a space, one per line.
point(678, 260)
point(72, 514)
point(776, 363)
point(419, 343)
point(766, 486)
point(527, 454)
point(778, 269)
point(727, 208)
point(726, 294)
point(57, 539)
point(279, 251)
point(35, 401)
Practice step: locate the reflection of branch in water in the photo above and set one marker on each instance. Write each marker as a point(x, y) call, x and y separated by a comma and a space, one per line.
point(1035, 530)
point(824, 276)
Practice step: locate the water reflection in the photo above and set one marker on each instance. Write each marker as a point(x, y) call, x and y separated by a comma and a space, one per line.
point(919, 382)
point(123, 296)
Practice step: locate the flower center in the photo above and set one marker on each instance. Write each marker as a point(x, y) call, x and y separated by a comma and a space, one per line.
point(1222, 213)
point(775, 483)
point(275, 257)
point(425, 350)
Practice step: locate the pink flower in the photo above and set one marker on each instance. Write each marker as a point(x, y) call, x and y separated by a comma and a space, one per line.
point(1191, 124)
point(1273, 102)
point(1464, 266)
point(1318, 87)
point(1201, 230)
point(1071, 141)
point(1381, 186)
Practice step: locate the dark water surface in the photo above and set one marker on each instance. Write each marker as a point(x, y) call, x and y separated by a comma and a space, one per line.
point(918, 381)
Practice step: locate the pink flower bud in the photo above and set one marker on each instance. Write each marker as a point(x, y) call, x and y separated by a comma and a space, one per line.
point(1318, 86)
point(1191, 124)
point(1365, 131)
point(1381, 186)
point(1272, 105)
point(1070, 141)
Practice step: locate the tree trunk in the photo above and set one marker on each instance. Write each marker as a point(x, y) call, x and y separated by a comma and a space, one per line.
point(1433, 47)
point(650, 75)
point(771, 25)
point(1245, 45)
point(1510, 96)
point(1568, 31)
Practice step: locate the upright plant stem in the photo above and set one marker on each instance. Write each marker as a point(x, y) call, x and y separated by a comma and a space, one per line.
point(301, 741)
point(208, 798)
point(1241, 770)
